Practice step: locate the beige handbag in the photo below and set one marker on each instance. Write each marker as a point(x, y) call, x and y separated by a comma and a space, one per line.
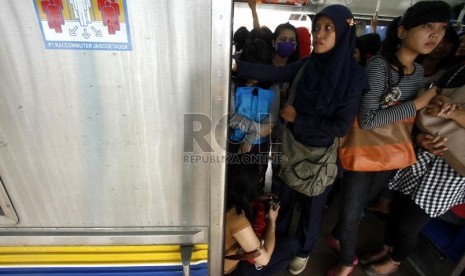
point(454, 133)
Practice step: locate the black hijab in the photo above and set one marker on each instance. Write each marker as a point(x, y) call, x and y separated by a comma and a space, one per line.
point(328, 76)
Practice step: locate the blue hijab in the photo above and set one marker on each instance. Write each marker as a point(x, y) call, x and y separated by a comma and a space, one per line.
point(328, 76)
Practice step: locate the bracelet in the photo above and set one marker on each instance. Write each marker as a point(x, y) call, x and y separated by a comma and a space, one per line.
point(259, 249)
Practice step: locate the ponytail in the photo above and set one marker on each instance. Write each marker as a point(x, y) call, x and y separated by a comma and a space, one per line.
point(390, 45)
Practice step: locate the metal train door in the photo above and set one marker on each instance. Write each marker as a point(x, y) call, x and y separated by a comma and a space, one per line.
point(110, 123)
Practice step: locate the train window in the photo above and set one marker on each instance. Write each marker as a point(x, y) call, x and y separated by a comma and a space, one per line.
point(7, 212)
point(294, 16)
point(301, 20)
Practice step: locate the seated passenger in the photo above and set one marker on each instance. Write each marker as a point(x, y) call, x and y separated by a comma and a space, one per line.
point(272, 256)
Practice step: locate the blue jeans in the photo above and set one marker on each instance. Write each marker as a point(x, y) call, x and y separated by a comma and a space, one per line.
point(358, 188)
point(311, 217)
point(283, 253)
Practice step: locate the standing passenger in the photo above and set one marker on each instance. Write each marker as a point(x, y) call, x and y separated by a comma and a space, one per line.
point(441, 58)
point(422, 191)
point(418, 31)
point(285, 44)
point(254, 108)
point(434, 65)
point(239, 38)
point(327, 98)
point(460, 53)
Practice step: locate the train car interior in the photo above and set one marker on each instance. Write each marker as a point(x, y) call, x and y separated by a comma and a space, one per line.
point(441, 248)
point(114, 136)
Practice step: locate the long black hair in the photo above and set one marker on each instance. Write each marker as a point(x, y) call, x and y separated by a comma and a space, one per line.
point(256, 51)
point(421, 13)
point(368, 45)
point(244, 185)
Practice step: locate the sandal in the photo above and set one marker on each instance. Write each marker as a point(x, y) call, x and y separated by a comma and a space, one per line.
point(385, 268)
point(333, 243)
point(333, 271)
point(376, 256)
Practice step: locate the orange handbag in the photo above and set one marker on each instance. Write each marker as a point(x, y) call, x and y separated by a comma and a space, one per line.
point(383, 148)
point(379, 149)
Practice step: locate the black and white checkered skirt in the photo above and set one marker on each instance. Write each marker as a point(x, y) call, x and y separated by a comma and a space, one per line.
point(432, 184)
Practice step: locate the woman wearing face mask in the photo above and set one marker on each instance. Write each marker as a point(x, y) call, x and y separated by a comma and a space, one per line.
point(327, 98)
point(285, 44)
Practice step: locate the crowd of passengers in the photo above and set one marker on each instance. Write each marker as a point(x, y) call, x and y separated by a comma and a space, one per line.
point(344, 78)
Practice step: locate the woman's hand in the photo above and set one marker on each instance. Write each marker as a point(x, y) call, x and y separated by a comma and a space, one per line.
point(432, 143)
point(444, 111)
point(374, 24)
point(424, 97)
point(244, 147)
point(445, 105)
point(440, 100)
point(289, 113)
point(265, 129)
point(273, 213)
point(252, 4)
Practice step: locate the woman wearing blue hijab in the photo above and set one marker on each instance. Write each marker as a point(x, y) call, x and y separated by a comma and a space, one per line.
point(327, 99)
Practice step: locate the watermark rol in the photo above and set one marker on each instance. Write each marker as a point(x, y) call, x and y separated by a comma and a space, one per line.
point(200, 134)
point(275, 158)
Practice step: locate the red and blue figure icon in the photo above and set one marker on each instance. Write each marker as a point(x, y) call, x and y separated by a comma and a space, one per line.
point(84, 24)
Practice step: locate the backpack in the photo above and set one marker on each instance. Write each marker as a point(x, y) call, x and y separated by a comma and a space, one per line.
point(254, 103)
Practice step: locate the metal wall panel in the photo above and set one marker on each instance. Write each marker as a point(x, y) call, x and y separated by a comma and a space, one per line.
point(94, 139)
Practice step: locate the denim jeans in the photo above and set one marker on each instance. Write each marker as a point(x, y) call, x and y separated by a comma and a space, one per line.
point(358, 188)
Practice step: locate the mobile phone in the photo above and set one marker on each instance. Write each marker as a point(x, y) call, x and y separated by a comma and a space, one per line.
point(274, 203)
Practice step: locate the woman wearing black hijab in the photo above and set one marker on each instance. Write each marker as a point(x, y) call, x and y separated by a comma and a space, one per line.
point(326, 102)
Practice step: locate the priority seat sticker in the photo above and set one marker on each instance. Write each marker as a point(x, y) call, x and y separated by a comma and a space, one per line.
point(84, 24)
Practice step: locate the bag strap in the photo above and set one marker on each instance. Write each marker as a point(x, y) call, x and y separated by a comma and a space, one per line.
point(247, 255)
point(454, 76)
point(291, 97)
point(389, 74)
point(297, 78)
point(244, 256)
